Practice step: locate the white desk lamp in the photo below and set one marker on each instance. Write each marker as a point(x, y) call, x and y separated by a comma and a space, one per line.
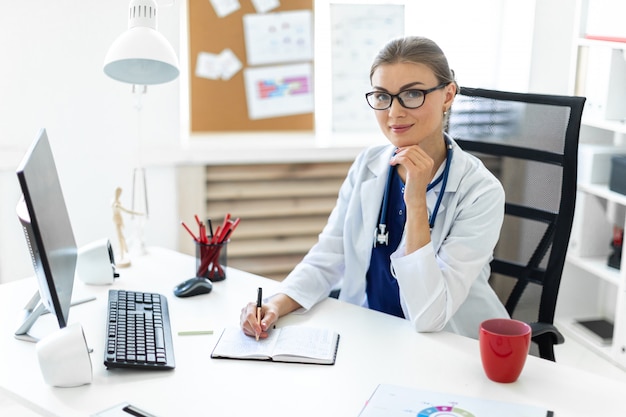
point(141, 56)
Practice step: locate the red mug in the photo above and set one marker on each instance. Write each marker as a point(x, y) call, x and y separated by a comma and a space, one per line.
point(504, 346)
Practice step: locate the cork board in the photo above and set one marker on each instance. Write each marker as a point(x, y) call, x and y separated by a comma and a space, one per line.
point(220, 105)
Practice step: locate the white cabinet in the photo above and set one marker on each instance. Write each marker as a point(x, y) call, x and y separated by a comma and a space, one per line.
point(590, 289)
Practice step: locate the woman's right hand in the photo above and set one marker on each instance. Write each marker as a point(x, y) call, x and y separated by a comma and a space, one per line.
point(278, 305)
point(250, 324)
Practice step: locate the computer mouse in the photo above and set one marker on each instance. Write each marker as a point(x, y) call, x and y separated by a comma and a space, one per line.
point(193, 286)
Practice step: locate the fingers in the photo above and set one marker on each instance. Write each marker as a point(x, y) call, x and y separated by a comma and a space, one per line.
point(248, 320)
point(413, 158)
point(254, 327)
point(418, 167)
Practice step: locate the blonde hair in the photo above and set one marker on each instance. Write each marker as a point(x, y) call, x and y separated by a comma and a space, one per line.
point(417, 50)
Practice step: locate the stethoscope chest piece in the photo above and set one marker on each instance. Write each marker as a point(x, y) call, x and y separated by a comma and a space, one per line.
point(381, 235)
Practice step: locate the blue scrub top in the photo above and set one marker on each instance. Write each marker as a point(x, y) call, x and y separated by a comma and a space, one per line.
point(383, 293)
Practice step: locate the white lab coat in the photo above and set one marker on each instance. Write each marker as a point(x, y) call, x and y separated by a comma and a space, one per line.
point(443, 286)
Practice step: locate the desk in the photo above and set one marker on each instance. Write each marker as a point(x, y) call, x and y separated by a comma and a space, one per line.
point(374, 348)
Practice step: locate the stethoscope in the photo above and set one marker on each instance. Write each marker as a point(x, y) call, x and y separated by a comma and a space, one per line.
point(381, 234)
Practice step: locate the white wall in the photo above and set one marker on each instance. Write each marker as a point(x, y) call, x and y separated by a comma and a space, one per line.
point(553, 47)
point(51, 77)
point(487, 42)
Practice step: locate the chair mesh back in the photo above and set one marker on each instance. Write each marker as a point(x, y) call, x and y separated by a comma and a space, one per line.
point(530, 142)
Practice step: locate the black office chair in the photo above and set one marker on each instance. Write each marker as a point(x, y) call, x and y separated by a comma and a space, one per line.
point(530, 142)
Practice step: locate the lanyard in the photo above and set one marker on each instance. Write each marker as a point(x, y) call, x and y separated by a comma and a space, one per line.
point(381, 234)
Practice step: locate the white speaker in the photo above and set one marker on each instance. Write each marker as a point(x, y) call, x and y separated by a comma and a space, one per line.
point(96, 264)
point(64, 357)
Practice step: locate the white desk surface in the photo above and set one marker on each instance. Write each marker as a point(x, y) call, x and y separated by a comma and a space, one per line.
point(374, 348)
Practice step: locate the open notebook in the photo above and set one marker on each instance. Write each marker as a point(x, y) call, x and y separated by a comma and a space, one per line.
point(284, 344)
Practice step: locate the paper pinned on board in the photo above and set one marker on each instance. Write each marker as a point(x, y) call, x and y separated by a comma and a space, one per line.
point(225, 7)
point(217, 66)
point(281, 37)
point(264, 6)
point(280, 90)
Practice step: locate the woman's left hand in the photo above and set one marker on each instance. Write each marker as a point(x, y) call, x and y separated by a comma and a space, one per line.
point(418, 169)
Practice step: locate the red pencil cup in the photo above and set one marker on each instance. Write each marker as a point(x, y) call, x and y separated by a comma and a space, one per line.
point(211, 260)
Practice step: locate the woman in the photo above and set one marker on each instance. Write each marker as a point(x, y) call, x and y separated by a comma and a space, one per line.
point(416, 221)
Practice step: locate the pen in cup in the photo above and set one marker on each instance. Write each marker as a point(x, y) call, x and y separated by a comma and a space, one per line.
point(259, 297)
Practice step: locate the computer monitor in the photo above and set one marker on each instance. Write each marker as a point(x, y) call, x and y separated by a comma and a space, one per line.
point(49, 235)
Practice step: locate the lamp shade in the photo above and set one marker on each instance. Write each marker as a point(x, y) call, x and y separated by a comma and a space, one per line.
point(141, 55)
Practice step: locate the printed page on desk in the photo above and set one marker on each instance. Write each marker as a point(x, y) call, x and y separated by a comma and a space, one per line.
point(397, 401)
point(286, 344)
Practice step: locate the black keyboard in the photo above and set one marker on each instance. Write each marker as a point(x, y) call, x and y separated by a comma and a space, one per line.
point(138, 331)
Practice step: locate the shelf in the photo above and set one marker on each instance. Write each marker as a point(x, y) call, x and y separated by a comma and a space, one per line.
point(590, 288)
point(607, 44)
point(611, 125)
point(570, 328)
point(597, 266)
point(603, 191)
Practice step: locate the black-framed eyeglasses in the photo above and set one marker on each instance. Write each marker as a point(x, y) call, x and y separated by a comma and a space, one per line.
point(409, 99)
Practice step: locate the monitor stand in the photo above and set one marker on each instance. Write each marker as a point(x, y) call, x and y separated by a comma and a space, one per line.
point(32, 311)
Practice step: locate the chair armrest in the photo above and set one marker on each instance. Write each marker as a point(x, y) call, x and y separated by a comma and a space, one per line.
point(540, 329)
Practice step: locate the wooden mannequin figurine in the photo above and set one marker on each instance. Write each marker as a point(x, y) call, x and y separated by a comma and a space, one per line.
point(118, 220)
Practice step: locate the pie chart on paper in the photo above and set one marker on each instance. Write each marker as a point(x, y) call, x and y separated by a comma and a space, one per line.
point(444, 411)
